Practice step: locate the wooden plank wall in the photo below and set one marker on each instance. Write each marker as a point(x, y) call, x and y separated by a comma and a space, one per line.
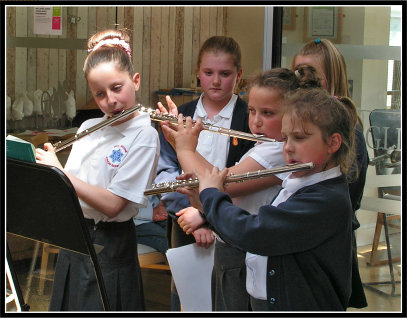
point(165, 43)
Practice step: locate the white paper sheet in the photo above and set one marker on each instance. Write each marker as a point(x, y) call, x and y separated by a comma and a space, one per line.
point(191, 268)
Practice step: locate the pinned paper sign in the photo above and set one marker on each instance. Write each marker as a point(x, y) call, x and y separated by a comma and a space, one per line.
point(48, 20)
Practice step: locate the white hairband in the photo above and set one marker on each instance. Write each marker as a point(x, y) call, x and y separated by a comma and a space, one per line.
point(114, 41)
point(297, 74)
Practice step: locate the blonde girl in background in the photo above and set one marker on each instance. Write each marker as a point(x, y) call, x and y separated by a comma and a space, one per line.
point(330, 64)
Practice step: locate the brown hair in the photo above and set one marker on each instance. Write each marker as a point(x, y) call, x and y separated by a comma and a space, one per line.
point(285, 80)
point(223, 44)
point(109, 52)
point(331, 115)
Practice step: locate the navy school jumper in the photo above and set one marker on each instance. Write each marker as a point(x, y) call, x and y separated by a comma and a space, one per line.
point(307, 240)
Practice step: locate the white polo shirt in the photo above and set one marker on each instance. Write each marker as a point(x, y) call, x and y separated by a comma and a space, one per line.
point(269, 155)
point(122, 159)
point(212, 146)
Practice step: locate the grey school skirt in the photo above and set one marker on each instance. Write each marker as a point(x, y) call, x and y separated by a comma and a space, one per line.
point(75, 286)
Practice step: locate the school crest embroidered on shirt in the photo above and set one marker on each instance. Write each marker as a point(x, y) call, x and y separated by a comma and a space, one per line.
point(116, 156)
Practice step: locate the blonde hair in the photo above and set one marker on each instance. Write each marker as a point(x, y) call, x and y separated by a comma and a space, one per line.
point(331, 115)
point(116, 51)
point(332, 62)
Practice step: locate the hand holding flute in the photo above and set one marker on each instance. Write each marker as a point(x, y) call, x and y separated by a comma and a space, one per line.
point(184, 138)
point(213, 178)
point(172, 110)
point(172, 107)
point(178, 134)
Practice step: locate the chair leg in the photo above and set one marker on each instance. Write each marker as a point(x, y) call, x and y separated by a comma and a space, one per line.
point(381, 219)
point(389, 261)
point(376, 238)
point(386, 231)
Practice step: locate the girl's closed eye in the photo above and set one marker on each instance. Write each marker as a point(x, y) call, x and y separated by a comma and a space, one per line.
point(268, 113)
point(117, 88)
point(300, 136)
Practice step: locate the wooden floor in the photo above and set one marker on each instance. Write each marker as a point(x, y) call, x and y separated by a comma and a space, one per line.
point(379, 273)
point(156, 285)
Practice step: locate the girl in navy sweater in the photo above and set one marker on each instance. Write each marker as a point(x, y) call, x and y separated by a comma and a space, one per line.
point(298, 247)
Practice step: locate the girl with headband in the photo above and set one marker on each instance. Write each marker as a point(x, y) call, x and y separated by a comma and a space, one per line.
point(109, 169)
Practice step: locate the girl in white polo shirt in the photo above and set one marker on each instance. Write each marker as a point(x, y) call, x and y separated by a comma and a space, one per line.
point(109, 169)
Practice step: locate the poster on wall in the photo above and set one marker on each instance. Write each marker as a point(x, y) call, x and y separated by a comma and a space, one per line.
point(48, 20)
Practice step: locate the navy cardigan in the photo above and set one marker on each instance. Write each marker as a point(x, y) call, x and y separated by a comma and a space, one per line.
point(307, 240)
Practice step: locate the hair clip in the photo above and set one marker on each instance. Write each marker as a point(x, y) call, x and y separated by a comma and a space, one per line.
point(317, 40)
point(297, 73)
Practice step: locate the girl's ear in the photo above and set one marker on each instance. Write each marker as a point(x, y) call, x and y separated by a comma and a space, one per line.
point(239, 75)
point(136, 81)
point(334, 143)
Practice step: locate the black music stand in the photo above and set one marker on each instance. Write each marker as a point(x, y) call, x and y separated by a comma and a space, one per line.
point(386, 136)
point(42, 205)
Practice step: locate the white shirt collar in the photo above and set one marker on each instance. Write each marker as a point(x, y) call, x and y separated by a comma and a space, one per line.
point(294, 184)
point(226, 111)
point(126, 128)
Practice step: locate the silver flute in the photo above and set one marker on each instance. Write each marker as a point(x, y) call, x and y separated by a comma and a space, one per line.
point(172, 186)
point(62, 144)
point(205, 126)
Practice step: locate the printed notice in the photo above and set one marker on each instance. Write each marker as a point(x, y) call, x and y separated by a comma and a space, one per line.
point(48, 20)
point(323, 22)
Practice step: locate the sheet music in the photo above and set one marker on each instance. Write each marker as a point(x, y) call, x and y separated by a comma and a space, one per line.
point(191, 268)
